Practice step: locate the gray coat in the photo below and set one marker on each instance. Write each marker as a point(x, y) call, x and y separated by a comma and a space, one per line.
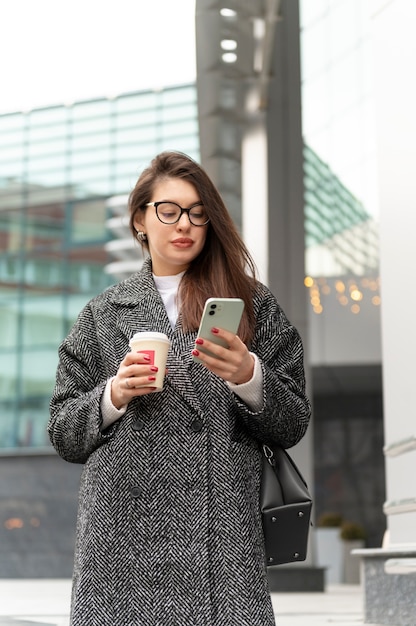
point(169, 526)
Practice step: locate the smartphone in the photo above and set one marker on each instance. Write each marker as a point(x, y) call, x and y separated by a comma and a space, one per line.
point(223, 313)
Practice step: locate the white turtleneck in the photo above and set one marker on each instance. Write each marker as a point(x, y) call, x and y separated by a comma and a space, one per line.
point(167, 286)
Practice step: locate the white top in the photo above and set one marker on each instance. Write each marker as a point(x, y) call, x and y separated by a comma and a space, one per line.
point(167, 286)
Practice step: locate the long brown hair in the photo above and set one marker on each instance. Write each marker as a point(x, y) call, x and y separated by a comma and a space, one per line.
point(224, 268)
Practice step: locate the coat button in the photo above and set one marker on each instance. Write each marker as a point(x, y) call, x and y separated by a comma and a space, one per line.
point(196, 426)
point(138, 425)
point(136, 492)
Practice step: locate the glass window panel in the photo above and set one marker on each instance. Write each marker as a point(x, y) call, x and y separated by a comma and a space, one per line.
point(91, 142)
point(88, 223)
point(54, 131)
point(31, 431)
point(185, 111)
point(83, 174)
point(45, 229)
point(98, 187)
point(64, 257)
point(138, 118)
point(178, 95)
point(89, 278)
point(40, 164)
point(137, 135)
point(47, 186)
point(47, 116)
point(15, 123)
point(11, 170)
point(8, 316)
point(127, 151)
point(10, 272)
point(92, 109)
point(91, 125)
point(136, 157)
point(11, 153)
point(180, 129)
point(124, 184)
point(53, 146)
point(42, 320)
point(190, 146)
point(11, 228)
point(90, 157)
point(44, 272)
point(39, 369)
point(8, 374)
point(136, 102)
point(37, 373)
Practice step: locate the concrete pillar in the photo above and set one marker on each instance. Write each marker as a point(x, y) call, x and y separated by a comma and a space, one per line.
point(390, 572)
point(273, 218)
point(254, 182)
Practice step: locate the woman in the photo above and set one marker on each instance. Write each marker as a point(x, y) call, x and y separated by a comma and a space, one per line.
point(169, 527)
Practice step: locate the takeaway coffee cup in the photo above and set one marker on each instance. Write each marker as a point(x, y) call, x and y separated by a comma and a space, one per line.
point(156, 346)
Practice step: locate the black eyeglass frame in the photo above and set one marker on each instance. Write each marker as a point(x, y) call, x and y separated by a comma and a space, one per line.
point(156, 205)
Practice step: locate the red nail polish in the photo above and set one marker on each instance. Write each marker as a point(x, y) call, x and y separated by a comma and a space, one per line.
point(199, 341)
point(214, 330)
point(195, 352)
point(145, 356)
point(152, 378)
point(153, 368)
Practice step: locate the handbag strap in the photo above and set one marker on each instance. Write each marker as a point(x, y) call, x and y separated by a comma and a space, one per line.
point(271, 459)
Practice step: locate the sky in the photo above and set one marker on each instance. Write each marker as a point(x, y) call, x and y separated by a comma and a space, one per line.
point(61, 51)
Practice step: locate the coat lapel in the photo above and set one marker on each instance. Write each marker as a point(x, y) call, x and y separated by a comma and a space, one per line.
point(140, 308)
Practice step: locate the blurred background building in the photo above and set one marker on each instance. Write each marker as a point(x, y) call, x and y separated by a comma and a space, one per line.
point(65, 175)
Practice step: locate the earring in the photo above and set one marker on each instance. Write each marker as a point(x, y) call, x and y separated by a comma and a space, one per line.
point(141, 236)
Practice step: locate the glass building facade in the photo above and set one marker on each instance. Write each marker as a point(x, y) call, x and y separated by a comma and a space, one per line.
point(58, 167)
point(61, 168)
point(342, 260)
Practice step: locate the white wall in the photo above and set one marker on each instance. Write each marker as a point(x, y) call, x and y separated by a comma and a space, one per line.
point(395, 91)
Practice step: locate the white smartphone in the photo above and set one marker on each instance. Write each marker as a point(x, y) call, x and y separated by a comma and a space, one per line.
point(223, 313)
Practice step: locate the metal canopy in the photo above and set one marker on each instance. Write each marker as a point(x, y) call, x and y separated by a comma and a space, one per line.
point(234, 47)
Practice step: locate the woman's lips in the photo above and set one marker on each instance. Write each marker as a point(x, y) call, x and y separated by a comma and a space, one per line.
point(182, 242)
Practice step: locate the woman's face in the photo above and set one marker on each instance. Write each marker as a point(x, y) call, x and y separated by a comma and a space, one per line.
point(172, 246)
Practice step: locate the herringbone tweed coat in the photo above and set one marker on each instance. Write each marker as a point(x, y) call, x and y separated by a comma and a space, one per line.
point(169, 526)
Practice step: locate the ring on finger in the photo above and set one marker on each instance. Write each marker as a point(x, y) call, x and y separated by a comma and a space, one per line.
point(127, 384)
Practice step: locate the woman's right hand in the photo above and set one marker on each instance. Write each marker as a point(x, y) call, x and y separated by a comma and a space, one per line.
point(133, 373)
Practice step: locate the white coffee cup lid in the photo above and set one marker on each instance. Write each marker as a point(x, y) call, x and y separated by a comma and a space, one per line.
point(151, 335)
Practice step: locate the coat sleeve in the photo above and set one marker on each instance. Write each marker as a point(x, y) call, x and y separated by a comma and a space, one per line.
point(75, 416)
point(286, 409)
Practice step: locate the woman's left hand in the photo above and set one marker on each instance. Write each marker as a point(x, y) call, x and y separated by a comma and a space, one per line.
point(234, 364)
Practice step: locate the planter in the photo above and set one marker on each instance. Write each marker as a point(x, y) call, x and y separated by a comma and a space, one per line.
point(352, 564)
point(329, 554)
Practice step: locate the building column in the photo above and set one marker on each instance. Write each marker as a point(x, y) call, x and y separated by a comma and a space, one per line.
point(273, 225)
point(390, 572)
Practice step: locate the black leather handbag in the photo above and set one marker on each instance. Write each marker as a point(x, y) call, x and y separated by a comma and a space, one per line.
point(286, 507)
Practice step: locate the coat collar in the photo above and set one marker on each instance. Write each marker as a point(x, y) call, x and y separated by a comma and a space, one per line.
point(133, 289)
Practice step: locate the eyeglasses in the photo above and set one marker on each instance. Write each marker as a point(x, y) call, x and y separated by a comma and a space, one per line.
point(170, 213)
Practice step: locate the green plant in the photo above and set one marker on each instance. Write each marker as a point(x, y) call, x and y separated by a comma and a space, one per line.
point(329, 520)
point(350, 531)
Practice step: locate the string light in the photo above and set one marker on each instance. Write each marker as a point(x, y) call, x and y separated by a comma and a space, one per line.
point(347, 293)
